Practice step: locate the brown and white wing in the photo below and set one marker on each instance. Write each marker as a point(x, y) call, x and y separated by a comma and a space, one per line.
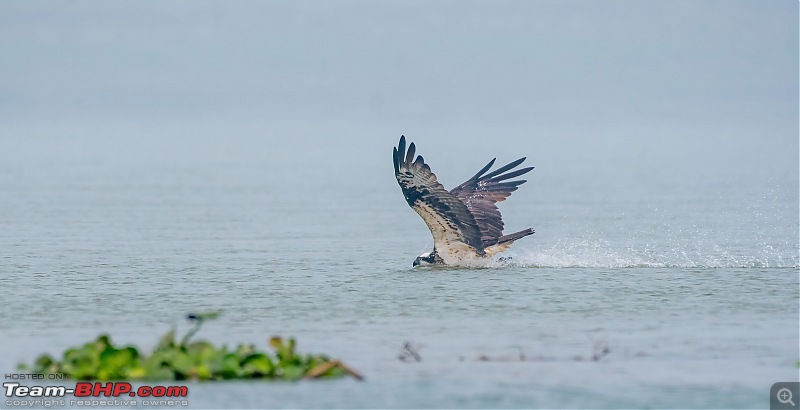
point(482, 192)
point(456, 235)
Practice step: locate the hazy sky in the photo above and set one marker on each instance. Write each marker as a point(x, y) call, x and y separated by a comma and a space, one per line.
point(442, 71)
point(515, 61)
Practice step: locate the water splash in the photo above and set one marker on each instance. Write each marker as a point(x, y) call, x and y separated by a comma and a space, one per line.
point(599, 254)
point(727, 227)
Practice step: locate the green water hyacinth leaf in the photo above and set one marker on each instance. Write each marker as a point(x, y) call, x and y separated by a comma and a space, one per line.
point(101, 360)
point(230, 366)
point(257, 365)
point(293, 372)
point(115, 364)
point(183, 365)
point(167, 341)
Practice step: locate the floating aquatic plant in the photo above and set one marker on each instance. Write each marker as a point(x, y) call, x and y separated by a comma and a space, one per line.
point(100, 359)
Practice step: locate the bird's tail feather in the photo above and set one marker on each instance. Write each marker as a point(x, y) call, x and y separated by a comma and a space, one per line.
point(505, 241)
point(514, 236)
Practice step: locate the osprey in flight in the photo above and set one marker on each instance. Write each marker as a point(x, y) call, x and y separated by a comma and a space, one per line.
point(465, 223)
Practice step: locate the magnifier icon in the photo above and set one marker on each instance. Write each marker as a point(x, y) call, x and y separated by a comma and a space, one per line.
point(785, 396)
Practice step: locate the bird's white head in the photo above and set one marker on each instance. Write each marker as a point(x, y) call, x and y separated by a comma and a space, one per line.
point(427, 258)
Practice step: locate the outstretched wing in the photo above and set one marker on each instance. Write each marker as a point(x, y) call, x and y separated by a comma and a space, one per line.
point(481, 193)
point(455, 233)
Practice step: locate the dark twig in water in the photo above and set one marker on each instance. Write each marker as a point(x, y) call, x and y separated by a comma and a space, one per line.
point(198, 322)
point(601, 349)
point(410, 352)
point(521, 357)
point(197, 319)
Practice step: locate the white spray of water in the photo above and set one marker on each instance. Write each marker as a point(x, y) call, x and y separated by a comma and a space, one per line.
point(599, 254)
point(735, 230)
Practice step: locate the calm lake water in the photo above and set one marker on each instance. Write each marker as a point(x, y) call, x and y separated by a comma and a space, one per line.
point(678, 253)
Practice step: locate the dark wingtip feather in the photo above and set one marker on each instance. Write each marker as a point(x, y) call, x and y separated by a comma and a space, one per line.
point(412, 149)
point(475, 177)
point(401, 147)
point(512, 174)
point(504, 168)
point(394, 158)
point(484, 169)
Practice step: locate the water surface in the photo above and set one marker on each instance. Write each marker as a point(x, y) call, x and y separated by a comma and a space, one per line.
point(689, 274)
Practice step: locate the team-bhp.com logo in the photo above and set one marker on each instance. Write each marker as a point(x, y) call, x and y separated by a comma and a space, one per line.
point(89, 394)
